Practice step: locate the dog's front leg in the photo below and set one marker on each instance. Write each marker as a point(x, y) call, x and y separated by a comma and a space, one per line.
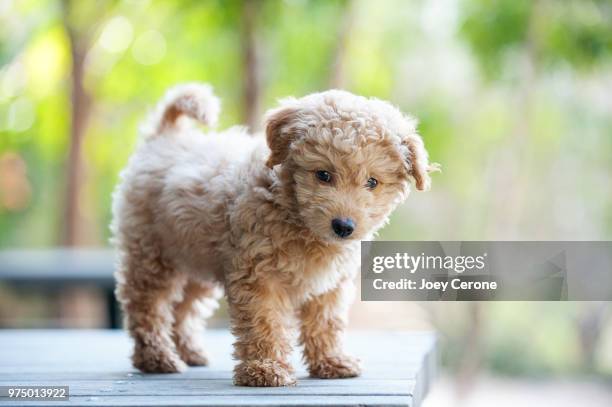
point(323, 321)
point(260, 319)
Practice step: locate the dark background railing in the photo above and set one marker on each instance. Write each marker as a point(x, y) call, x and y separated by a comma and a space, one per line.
point(50, 271)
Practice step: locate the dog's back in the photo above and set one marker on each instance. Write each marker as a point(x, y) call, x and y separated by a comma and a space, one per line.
point(179, 182)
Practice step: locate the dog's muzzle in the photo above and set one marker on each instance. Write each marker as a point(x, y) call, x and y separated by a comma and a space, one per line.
point(343, 227)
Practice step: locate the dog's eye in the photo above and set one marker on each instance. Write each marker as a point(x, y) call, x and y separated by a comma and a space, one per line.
point(372, 183)
point(323, 176)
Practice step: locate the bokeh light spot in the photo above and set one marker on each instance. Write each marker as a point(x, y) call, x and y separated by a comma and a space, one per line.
point(20, 115)
point(45, 63)
point(12, 80)
point(149, 48)
point(117, 34)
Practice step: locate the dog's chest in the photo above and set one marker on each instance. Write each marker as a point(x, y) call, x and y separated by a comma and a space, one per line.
point(312, 272)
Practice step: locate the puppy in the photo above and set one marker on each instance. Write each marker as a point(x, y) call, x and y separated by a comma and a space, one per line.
point(275, 221)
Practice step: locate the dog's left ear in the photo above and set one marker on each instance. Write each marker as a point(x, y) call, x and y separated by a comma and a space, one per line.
point(417, 161)
point(281, 129)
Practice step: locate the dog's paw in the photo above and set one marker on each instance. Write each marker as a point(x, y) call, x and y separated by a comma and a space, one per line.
point(263, 373)
point(150, 360)
point(194, 357)
point(335, 367)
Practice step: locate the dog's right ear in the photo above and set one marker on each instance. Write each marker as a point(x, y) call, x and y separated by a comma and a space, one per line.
point(281, 129)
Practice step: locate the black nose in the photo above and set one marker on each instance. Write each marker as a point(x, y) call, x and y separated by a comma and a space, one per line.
point(343, 227)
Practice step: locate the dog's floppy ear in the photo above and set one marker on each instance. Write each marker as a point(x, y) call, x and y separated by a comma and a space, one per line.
point(417, 161)
point(281, 130)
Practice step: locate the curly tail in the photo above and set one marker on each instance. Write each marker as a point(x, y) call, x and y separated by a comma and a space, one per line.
point(194, 100)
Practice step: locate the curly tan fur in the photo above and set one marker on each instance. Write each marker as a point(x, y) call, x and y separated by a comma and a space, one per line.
point(194, 213)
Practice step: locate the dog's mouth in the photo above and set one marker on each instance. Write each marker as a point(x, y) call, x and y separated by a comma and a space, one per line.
point(339, 239)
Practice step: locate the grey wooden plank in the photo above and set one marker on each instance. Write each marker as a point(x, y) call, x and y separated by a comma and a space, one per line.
point(110, 350)
point(224, 387)
point(95, 364)
point(194, 373)
point(260, 401)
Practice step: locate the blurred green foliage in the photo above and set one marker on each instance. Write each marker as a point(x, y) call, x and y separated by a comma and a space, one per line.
point(571, 32)
point(519, 338)
point(507, 93)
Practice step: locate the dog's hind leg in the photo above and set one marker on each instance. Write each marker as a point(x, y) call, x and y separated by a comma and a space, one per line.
point(200, 299)
point(147, 290)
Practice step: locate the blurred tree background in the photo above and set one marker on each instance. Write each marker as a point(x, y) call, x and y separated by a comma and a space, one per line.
point(514, 99)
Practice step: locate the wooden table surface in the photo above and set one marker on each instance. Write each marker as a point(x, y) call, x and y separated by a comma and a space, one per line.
point(398, 369)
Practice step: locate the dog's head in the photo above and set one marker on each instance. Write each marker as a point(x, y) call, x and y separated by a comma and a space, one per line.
point(346, 160)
